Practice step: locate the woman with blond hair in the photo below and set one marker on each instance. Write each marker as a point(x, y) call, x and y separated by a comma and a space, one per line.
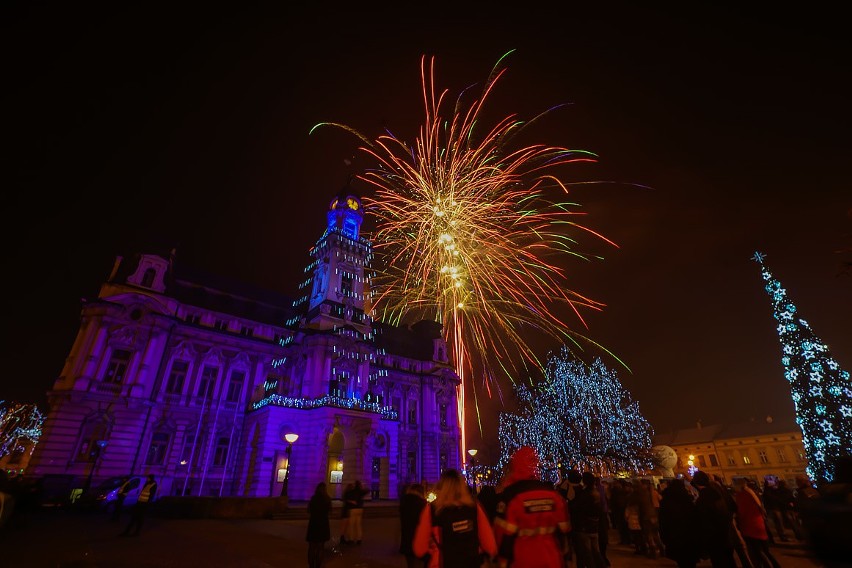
point(454, 530)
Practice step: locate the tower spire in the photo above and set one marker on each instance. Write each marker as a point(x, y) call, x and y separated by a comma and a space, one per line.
point(821, 390)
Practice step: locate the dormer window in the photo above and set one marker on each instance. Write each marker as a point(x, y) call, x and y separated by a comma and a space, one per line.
point(148, 278)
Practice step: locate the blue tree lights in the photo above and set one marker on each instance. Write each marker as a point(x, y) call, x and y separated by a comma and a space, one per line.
point(20, 427)
point(579, 416)
point(821, 390)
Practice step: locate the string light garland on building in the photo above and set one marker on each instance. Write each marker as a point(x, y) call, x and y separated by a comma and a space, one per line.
point(820, 389)
point(579, 416)
point(387, 412)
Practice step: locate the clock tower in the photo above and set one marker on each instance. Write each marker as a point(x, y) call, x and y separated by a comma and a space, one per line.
point(338, 282)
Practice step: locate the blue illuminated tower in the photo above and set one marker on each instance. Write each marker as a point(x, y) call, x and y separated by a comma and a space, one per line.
point(821, 390)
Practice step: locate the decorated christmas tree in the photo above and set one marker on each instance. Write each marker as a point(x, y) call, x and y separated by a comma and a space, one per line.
point(20, 426)
point(821, 390)
point(579, 416)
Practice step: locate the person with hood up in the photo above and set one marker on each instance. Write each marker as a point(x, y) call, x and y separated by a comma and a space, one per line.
point(532, 521)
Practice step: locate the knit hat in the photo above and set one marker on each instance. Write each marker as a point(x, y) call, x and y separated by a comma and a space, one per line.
point(523, 464)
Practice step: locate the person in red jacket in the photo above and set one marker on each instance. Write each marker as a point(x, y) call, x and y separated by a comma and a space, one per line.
point(532, 523)
point(750, 520)
point(453, 531)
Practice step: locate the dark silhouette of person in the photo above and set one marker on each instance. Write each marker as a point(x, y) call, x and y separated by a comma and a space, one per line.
point(319, 524)
point(715, 520)
point(140, 509)
point(410, 508)
point(678, 522)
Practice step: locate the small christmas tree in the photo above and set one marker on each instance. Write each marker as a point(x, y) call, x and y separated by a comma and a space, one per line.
point(20, 425)
point(579, 416)
point(821, 390)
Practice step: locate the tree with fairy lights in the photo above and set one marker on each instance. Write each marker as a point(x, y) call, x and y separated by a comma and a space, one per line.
point(821, 390)
point(580, 416)
point(20, 426)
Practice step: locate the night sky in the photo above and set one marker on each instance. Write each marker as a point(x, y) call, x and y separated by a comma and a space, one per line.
point(717, 133)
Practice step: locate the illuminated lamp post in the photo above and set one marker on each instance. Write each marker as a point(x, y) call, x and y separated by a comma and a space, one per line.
point(471, 473)
point(291, 438)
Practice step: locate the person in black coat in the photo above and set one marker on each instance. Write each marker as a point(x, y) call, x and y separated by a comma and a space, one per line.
point(714, 522)
point(678, 523)
point(410, 507)
point(319, 525)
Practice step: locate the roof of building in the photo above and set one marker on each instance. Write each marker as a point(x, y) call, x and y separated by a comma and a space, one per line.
point(746, 429)
point(195, 287)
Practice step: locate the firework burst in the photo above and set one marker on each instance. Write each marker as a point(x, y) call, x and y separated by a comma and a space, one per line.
point(469, 231)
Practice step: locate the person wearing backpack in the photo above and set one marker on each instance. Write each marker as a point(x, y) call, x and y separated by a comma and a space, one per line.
point(532, 523)
point(454, 530)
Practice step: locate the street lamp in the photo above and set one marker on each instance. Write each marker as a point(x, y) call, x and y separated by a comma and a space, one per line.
point(291, 438)
point(472, 453)
point(97, 451)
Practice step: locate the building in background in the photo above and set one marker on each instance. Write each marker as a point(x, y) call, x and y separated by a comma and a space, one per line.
point(753, 449)
point(199, 380)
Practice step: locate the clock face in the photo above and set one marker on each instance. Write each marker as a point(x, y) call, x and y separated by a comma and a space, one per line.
point(352, 203)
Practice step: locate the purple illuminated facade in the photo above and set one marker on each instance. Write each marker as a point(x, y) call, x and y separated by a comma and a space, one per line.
point(197, 380)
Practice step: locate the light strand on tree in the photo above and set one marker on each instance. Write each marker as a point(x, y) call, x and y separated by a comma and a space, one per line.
point(820, 389)
point(19, 424)
point(579, 416)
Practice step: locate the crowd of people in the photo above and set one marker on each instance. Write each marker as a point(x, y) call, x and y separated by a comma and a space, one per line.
point(525, 522)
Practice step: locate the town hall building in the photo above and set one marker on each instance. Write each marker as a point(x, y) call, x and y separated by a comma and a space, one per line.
point(222, 389)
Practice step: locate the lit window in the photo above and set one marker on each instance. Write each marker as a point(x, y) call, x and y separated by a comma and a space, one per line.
point(746, 459)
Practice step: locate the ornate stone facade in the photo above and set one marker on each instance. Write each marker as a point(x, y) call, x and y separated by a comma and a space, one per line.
point(197, 380)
